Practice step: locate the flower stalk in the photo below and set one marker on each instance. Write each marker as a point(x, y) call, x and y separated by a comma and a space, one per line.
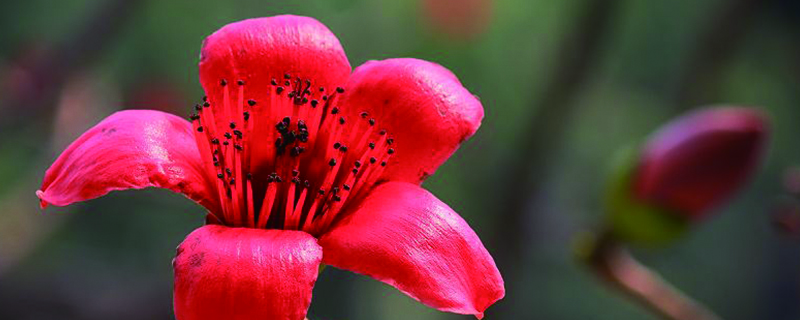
point(610, 260)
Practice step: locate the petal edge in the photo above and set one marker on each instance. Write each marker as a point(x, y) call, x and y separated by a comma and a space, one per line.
point(421, 104)
point(244, 273)
point(130, 149)
point(404, 236)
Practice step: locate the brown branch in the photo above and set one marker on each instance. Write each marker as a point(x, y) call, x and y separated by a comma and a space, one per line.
point(51, 71)
point(713, 47)
point(610, 261)
point(578, 52)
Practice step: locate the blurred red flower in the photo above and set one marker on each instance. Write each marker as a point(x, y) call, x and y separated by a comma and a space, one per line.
point(289, 166)
point(698, 160)
point(458, 19)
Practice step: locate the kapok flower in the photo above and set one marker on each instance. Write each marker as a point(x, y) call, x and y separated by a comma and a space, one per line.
point(293, 156)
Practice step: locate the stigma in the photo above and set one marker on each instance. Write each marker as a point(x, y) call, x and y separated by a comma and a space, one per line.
point(292, 161)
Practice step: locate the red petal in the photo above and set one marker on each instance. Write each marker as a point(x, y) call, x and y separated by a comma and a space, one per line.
point(700, 159)
point(404, 236)
point(259, 50)
point(242, 273)
point(130, 149)
point(422, 105)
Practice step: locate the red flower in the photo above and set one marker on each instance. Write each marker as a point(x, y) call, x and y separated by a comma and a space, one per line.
point(290, 165)
point(700, 159)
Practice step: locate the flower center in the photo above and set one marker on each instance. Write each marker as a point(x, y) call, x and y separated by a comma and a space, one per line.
point(292, 161)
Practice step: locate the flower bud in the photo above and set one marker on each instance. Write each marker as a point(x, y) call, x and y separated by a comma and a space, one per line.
point(700, 159)
point(684, 170)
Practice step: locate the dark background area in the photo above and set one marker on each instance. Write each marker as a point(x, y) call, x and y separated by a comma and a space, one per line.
point(565, 85)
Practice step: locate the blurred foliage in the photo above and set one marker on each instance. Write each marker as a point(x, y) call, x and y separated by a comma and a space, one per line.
point(110, 257)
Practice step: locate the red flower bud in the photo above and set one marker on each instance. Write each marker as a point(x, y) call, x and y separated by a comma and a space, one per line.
point(700, 159)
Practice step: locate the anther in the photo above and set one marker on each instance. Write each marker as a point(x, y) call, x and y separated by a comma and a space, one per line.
point(372, 145)
point(339, 89)
point(246, 115)
point(346, 187)
point(228, 135)
point(337, 145)
point(357, 164)
point(206, 104)
point(274, 82)
point(335, 110)
point(390, 151)
point(251, 102)
point(383, 163)
point(199, 129)
point(240, 82)
point(390, 141)
point(287, 76)
point(343, 149)
point(364, 115)
point(215, 141)
point(238, 147)
point(314, 103)
point(295, 173)
point(220, 175)
point(372, 122)
point(372, 160)
point(233, 125)
point(332, 162)
point(341, 120)
point(223, 82)
point(278, 90)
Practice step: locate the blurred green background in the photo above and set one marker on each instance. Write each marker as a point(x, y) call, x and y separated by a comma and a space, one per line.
point(565, 85)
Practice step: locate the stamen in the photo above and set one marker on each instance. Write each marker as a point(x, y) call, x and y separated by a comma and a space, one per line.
point(329, 161)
